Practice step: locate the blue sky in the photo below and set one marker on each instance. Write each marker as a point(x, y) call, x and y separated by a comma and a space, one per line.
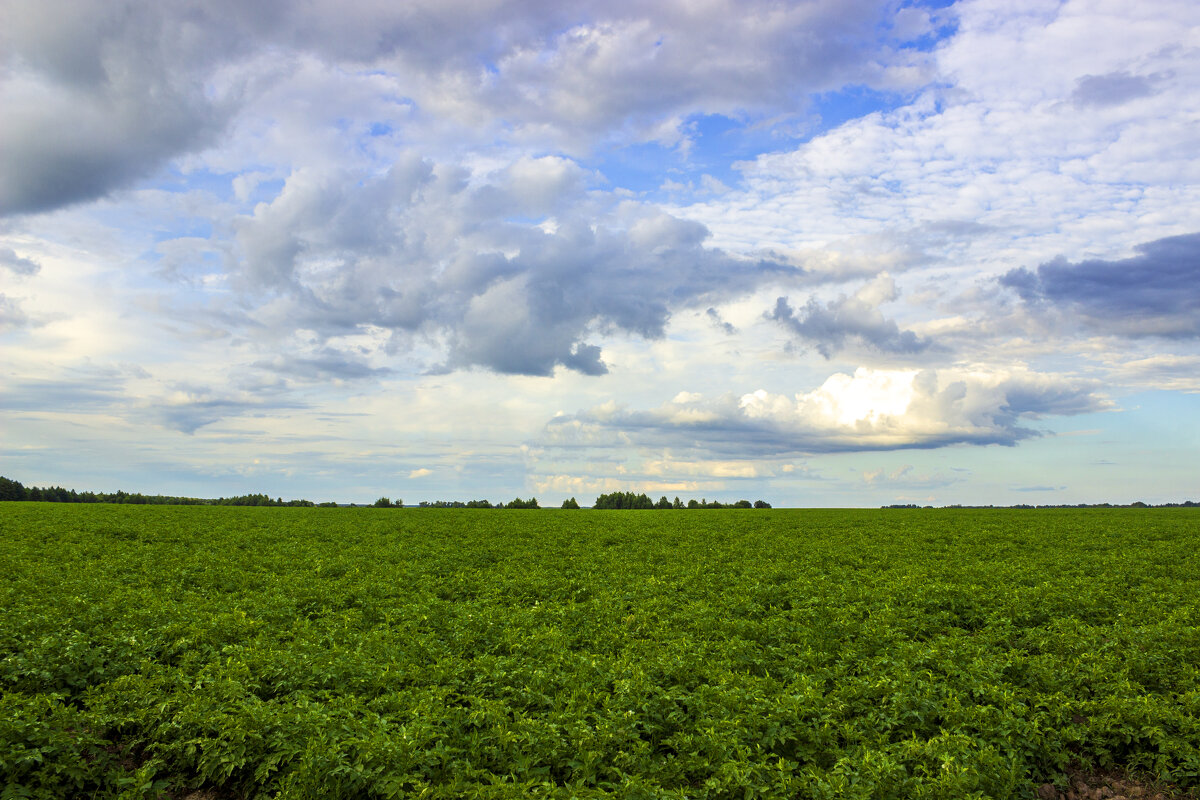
point(821, 253)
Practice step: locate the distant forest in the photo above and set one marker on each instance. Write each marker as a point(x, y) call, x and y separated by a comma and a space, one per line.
point(15, 490)
point(629, 500)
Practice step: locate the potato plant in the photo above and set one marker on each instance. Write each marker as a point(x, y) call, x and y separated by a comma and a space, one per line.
point(366, 653)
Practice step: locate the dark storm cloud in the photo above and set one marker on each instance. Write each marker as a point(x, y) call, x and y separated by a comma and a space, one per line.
point(1155, 293)
point(15, 263)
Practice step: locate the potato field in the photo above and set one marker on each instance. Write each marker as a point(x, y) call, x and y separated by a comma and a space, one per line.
point(218, 652)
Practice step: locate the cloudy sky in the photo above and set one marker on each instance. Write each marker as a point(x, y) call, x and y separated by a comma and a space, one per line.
point(822, 252)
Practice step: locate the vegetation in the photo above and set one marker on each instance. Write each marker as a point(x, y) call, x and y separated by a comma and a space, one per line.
point(631, 501)
point(519, 503)
point(294, 653)
point(15, 490)
point(385, 502)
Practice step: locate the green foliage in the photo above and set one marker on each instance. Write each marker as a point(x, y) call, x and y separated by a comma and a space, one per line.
point(153, 652)
point(572, 503)
point(254, 500)
point(15, 490)
point(519, 503)
point(12, 490)
point(631, 501)
point(623, 500)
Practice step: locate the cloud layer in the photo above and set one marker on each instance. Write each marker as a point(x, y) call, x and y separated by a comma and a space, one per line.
point(760, 244)
point(97, 96)
point(512, 271)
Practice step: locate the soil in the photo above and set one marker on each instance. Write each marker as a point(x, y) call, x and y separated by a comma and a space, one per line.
point(1112, 786)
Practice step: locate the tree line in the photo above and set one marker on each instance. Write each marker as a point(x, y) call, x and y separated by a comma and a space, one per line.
point(15, 490)
point(629, 500)
point(516, 502)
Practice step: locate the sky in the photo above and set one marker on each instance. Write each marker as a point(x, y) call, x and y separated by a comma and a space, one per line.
point(821, 253)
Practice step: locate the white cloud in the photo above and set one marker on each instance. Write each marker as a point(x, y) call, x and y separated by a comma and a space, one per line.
point(1179, 373)
point(709, 469)
point(98, 97)
point(873, 409)
point(906, 478)
point(1001, 144)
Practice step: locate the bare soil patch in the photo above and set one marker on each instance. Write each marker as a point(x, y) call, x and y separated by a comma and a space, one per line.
point(1113, 786)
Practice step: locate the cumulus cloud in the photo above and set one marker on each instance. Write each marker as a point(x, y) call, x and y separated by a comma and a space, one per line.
point(639, 70)
point(1156, 292)
point(477, 262)
point(869, 410)
point(99, 95)
point(856, 318)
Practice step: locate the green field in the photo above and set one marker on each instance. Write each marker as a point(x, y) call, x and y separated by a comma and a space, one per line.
point(362, 653)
